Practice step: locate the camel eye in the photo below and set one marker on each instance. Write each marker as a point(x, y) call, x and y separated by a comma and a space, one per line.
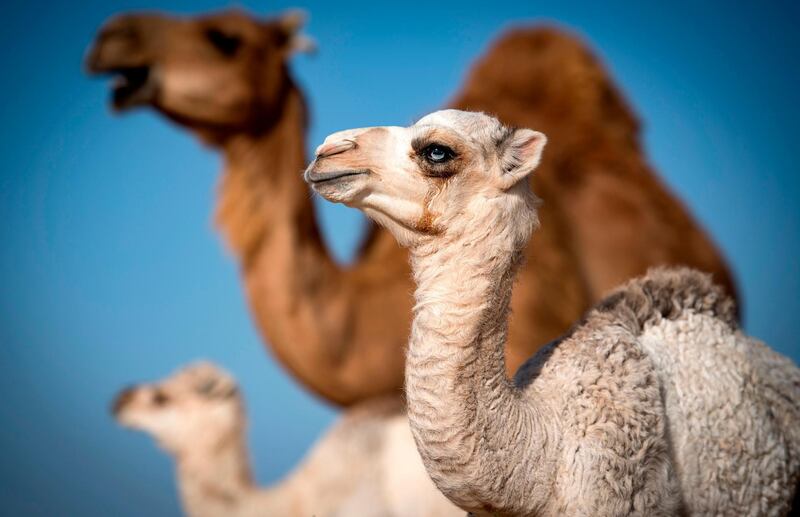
point(437, 153)
point(160, 398)
point(226, 44)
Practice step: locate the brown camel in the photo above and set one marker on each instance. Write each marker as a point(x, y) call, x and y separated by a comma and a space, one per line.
point(341, 331)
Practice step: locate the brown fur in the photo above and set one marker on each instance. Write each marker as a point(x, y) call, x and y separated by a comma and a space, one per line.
point(620, 218)
point(341, 331)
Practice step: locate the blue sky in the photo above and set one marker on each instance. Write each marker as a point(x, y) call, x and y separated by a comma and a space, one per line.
point(111, 272)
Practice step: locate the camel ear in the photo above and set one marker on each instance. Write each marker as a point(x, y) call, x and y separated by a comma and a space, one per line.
point(520, 155)
point(302, 44)
point(292, 22)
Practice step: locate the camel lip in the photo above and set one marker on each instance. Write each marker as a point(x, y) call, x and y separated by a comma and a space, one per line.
point(318, 178)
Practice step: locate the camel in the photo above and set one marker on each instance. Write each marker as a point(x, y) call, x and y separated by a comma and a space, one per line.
point(655, 403)
point(340, 330)
point(197, 415)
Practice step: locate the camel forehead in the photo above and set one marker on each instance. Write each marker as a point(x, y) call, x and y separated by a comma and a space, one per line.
point(197, 373)
point(482, 131)
point(472, 124)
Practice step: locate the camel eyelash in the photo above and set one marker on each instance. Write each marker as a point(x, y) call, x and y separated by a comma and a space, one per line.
point(435, 158)
point(419, 143)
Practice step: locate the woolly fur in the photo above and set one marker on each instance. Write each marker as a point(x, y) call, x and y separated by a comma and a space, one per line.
point(654, 404)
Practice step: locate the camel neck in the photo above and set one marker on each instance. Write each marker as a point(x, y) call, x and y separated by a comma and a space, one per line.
point(262, 183)
point(307, 306)
point(214, 480)
point(461, 405)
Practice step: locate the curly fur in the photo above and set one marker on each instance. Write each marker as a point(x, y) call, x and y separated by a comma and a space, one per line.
point(729, 404)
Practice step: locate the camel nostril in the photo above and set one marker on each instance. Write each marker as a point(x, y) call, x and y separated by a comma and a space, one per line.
point(333, 148)
point(122, 399)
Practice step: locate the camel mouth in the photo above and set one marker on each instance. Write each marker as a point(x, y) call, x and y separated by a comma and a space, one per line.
point(321, 178)
point(131, 86)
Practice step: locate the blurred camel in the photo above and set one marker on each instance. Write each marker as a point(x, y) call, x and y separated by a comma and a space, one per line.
point(366, 464)
point(341, 330)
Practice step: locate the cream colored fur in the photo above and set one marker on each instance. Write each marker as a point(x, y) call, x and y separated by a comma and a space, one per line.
point(365, 465)
point(721, 409)
point(655, 404)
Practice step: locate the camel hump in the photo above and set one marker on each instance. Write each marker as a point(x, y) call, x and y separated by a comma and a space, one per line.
point(665, 293)
point(537, 76)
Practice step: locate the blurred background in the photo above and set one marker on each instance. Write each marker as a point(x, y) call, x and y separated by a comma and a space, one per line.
point(111, 271)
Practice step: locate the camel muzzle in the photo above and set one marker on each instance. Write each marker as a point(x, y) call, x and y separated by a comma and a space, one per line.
point(117, 53)
point(122, 399)
point(327, 166)
point(334, 148)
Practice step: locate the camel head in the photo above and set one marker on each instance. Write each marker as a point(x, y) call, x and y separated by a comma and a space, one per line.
point(447, 173)
point(215, 74)
point(195, 409)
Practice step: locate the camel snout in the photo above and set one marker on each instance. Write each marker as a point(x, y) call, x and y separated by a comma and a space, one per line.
point(122, 399)
point(117, 45)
